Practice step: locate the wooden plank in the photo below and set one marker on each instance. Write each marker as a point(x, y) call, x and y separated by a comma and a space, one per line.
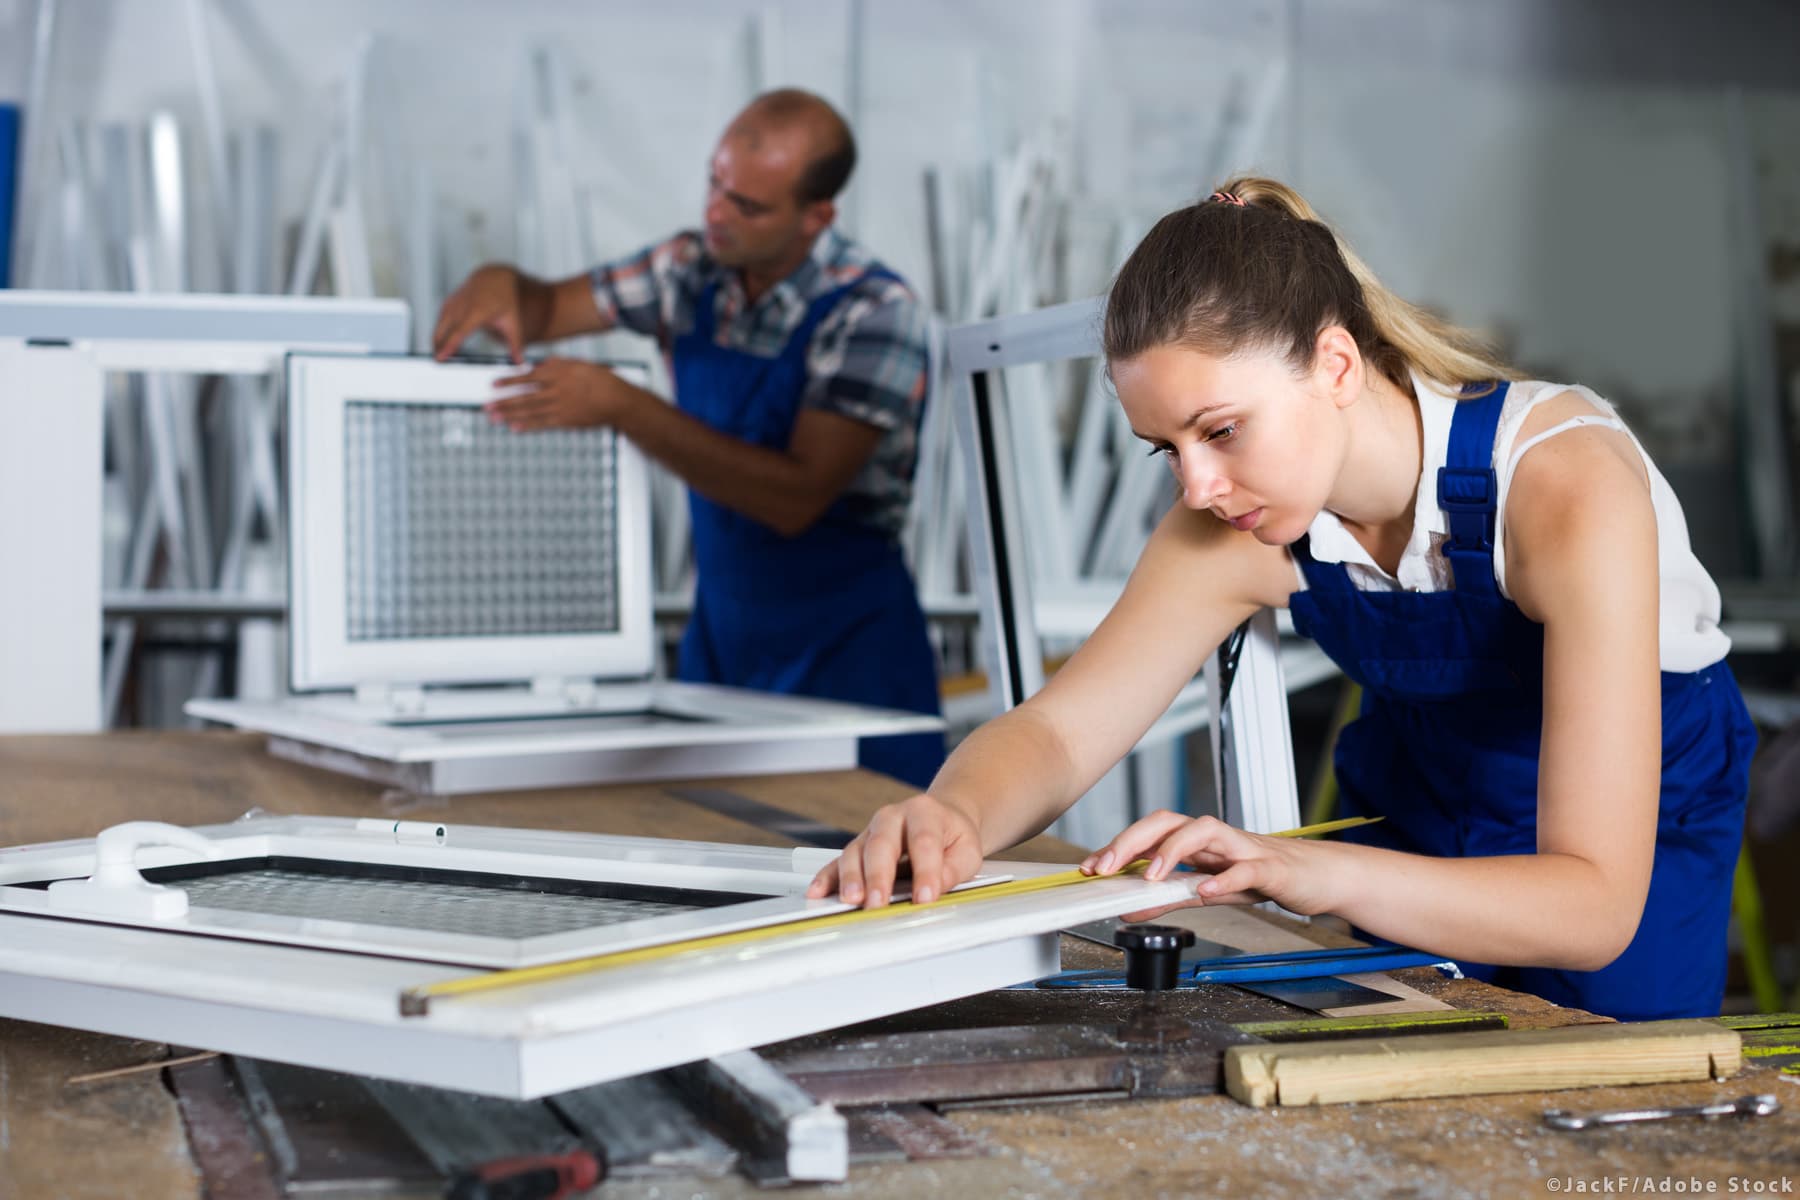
point(1406, 1025)
point(1471, 1064)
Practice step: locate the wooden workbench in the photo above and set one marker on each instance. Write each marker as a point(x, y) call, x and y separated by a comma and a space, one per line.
point(125, 1138)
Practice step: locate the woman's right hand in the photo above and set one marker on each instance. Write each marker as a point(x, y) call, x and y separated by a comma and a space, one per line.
point(939, 839)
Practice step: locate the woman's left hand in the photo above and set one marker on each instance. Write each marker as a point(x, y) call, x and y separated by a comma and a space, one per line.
point(1238, 867)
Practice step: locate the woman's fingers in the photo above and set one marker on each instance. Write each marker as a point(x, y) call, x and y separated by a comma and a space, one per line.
point(932, 835)
point(881, 857)
point(1207, 836)
point(925, 847)
point(1132, 841)
point(1150, 914)
point(850, 876)
point(824, 883)
point(859, 873)
point(1239, 880)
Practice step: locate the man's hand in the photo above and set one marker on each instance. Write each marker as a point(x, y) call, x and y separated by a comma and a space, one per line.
point(561, 393)
point(490, 299)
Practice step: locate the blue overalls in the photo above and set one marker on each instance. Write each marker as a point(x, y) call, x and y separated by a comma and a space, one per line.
point(830, 612)
point(1446, 747)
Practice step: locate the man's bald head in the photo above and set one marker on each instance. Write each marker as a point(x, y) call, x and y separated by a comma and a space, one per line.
point(790, 112)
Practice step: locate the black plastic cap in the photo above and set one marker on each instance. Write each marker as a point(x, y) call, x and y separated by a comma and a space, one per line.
point(1152, 954)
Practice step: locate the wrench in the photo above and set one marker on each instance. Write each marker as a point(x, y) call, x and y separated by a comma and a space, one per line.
point(1745, 1106)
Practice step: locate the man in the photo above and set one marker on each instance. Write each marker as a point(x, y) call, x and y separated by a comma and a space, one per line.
point(800, 372)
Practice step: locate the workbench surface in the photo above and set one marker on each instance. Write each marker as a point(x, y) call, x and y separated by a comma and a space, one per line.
point(125, 1137)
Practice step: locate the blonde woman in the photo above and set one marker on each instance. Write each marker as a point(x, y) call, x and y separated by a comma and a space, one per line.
point(1549, 725)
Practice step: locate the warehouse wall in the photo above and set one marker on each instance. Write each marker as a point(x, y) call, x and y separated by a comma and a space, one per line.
point(1557, 173)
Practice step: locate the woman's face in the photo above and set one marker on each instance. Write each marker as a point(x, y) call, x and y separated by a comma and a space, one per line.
point(1247, 438)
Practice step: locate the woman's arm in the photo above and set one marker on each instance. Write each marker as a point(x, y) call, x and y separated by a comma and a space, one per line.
point(1581, 541)
point(1196, 580)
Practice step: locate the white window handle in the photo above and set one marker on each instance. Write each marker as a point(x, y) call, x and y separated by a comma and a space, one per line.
point(116, 889)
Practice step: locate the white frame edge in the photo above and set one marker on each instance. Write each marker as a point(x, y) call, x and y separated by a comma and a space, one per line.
point(322, 656)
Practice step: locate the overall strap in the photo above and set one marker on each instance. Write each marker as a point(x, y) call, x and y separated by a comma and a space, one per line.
point(1468, 491)
point(822, 306)
point(1320, 576)
point(706, 309)
point(705, 314)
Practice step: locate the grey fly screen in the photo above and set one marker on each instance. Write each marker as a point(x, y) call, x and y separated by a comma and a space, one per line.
point(415, 904)
point(459, 527)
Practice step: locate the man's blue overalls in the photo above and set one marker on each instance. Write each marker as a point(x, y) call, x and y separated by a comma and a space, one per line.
point(1446, 747)
point(831, 612)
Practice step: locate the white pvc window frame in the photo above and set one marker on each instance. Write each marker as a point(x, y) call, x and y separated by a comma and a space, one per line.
point(779, 877)
point(201, 334)
point(340, 1010)
point(56, 349)
point(322, 656)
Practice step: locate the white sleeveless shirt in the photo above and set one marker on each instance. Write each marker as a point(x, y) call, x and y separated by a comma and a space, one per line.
point(1689, 618)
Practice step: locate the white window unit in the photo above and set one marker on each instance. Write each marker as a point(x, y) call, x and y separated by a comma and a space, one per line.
point(295, 938)
point(56, 349)
point(430, 547)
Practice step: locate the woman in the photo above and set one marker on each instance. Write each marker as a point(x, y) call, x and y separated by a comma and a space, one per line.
point(1549, 727)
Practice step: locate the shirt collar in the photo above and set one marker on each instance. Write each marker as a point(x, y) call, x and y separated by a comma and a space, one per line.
point(1329, 541)
point(1437, 409)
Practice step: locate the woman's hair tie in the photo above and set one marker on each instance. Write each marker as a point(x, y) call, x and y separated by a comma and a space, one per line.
point(1228, 198)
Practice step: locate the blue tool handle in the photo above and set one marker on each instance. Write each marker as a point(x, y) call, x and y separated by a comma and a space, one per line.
point(1264, 968)
point(1296, 956)
point(1265, 972)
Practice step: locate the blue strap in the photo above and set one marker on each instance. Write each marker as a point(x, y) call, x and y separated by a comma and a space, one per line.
point(1469, 491)
point(1263, 968)
point(1320, 577)
point(703, 313)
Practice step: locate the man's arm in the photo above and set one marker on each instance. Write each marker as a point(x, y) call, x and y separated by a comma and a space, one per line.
point(635, 293)
point(866, 375)
point(787, 490)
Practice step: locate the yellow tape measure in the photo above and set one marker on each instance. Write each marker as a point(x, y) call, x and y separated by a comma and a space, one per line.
point(416, 1001)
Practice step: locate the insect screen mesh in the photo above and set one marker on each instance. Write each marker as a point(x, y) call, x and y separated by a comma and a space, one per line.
point(459, 527)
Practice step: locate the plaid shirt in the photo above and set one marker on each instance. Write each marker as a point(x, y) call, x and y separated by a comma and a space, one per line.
point(867, 361)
